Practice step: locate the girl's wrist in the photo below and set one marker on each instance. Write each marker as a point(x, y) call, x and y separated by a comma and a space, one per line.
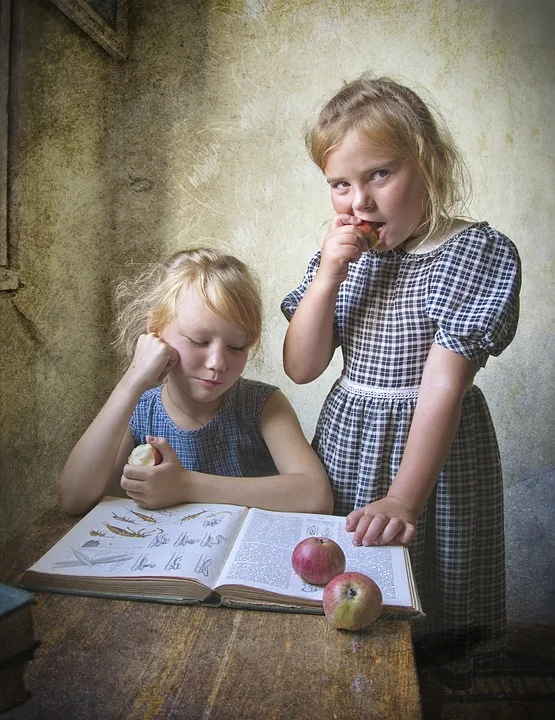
point(413, 505)
point(132, 384)
point(325, 285)
point(189, 486)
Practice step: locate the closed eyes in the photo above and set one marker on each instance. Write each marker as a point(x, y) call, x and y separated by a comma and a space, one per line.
point(205, 343)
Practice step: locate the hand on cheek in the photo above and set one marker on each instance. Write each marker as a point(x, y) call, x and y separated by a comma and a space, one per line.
point(152, 361)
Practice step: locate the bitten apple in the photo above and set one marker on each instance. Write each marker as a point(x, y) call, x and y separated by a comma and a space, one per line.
point(318, 559)
point(145, 455)
point(352, 601)
point(371, 233)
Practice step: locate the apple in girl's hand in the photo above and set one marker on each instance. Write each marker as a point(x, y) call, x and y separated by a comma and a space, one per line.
point(352, 601)
point(318, 559)
point(145, 455)
point(371, 233)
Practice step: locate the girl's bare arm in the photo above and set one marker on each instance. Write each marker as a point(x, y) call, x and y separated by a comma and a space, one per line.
point(446, 378)
point(309, 343)
point(301, 486)
point(308, 347)
point(91, 465)
point(100, 454)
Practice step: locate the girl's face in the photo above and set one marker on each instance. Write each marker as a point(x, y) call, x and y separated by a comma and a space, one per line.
point(372, 185)
point(212, 351)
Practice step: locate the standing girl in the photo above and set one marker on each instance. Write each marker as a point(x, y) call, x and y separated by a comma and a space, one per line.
point(189, 323)
point(404, 434)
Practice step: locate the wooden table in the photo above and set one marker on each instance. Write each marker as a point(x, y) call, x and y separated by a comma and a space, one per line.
point(106, 659)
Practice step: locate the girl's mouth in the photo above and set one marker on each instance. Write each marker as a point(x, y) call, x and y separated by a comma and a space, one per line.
point(372, 231)
point(209, 383)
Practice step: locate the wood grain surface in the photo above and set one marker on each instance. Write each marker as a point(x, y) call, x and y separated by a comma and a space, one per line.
point(108, 658)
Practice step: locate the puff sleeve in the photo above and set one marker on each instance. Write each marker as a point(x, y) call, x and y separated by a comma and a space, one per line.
point(290, 302)
point(473, 297)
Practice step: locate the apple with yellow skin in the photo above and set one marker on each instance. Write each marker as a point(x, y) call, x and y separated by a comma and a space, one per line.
point(318, 559)
point(145, 455)
point(352, 601)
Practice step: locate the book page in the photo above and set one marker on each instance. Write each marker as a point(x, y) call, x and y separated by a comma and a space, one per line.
point(261, 557)
point(119, 539)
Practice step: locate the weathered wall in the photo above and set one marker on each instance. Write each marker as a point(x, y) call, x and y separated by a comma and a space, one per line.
point(54, 364)
point(197, 138)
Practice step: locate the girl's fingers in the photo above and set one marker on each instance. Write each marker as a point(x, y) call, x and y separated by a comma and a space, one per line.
point(372, 529)
point(369, 528)
point(361, 528)
point(352, 519)
point(375, 529)
point(137, 487)
point(137, 497)
point(392, 530)
point(342, 219)
point(133, 473)
point(407, 535)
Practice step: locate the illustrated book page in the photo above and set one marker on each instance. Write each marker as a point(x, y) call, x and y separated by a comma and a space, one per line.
point(175, 554)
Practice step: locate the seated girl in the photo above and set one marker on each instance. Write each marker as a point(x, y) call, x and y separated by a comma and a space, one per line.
point(189, 324)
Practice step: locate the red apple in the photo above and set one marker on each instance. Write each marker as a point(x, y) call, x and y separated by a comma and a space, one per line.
point(145, 455)
point(318, 559)
point(352, 601)
point(371, 233)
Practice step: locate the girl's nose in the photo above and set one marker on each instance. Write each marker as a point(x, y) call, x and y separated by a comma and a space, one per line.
point(216, 359)
point(362, 199)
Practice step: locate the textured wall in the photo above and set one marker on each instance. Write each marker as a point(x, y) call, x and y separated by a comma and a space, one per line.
point(54, 366)
point(197, 137)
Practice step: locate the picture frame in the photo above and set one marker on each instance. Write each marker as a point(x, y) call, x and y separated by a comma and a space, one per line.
point(105, 21)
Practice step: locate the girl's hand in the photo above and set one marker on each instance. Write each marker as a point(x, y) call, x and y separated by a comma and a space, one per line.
point(344, 244)
point(384, 522)
point(156, 486)
point(152, 361)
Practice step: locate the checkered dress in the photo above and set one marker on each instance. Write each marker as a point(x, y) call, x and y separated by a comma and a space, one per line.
point(230, 444)
point(390, 309)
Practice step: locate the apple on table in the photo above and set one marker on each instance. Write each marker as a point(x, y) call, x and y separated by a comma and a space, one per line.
point(352, 601)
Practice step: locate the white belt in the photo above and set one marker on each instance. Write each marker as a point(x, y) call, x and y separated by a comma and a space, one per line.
point(378, 392)
point(381, 392)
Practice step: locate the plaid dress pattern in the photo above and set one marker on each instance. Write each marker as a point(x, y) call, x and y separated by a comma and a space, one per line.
point(230, 444)
point(390, 309)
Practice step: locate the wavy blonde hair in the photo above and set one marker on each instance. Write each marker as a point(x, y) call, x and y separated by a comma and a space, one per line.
point(224, 282)
point(394, 118)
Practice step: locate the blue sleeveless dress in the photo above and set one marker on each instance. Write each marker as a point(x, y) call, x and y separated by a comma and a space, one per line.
point(390, 309)
point(229, 444)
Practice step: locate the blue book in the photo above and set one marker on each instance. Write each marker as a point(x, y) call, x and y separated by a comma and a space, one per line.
point(16, 622)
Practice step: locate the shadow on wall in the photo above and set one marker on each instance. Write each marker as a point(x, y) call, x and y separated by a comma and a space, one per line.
point(530, 542)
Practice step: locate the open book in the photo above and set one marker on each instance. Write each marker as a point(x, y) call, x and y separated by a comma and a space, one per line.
point(218, 554)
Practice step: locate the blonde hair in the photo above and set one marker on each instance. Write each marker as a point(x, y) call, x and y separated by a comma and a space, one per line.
point(393, 117)
point(224, 282)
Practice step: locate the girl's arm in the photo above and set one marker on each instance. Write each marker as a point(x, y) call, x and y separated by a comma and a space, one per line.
point(309, 344)
point(308, 347)
point(301, 486)
point(446, 378)
point(100, 454)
